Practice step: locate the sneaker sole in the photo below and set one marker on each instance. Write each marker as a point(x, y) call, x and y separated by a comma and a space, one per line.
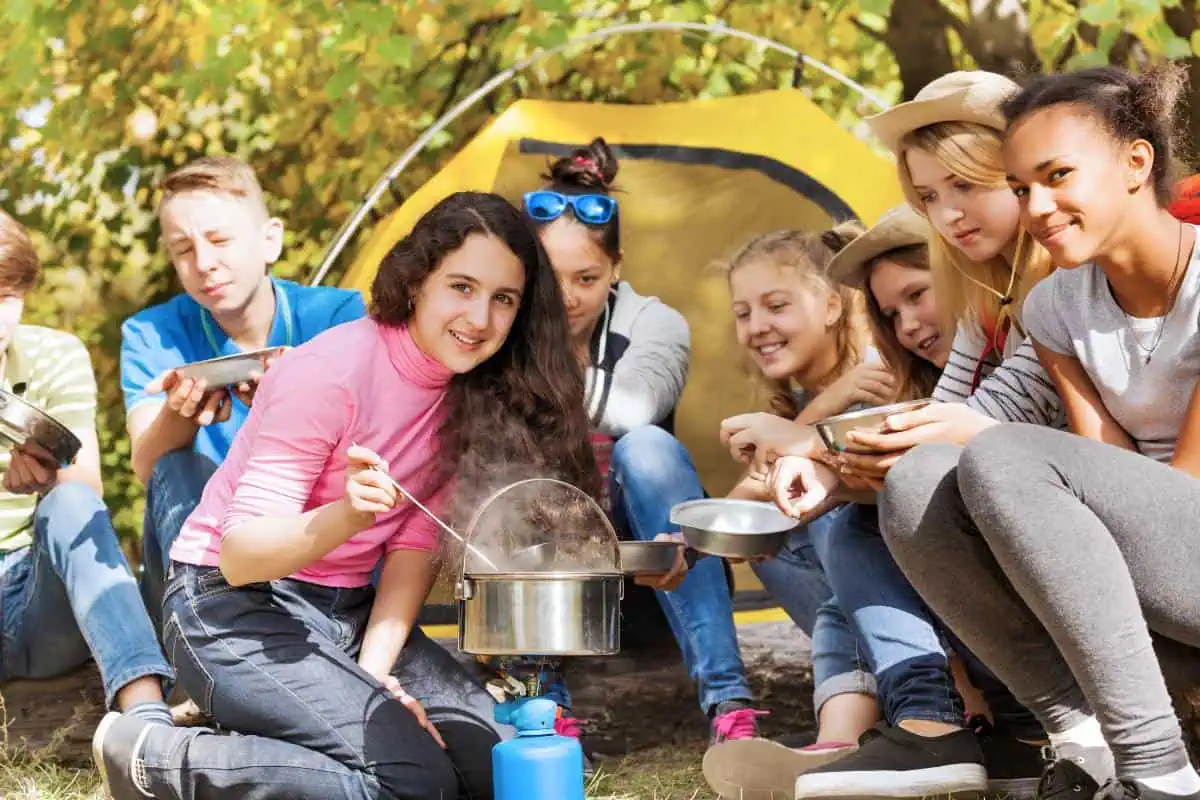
point(1013, 788)
point(959, 780)
point(98, 750)
point(759, 769)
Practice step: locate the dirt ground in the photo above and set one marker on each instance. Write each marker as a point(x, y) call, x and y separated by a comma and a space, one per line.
point(643, 727)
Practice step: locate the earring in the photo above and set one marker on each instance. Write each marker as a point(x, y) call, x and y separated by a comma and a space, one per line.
point(410, 305)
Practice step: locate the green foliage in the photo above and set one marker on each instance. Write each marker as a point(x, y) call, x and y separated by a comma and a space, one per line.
point(320, 97)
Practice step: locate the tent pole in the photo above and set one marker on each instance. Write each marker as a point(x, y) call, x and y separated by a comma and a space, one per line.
point(350, 227)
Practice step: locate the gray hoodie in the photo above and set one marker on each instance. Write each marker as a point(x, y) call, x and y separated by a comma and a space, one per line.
point(640, 353)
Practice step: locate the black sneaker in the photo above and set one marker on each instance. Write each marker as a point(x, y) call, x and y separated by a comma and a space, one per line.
point(893, 763)
point(1065, 779)
point(1129, 789)
point(1014, 768)
point(116, 748)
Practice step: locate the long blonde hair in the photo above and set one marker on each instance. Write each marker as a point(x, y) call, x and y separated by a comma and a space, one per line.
point(809, 254)
point(915, 376)
point(972, 152)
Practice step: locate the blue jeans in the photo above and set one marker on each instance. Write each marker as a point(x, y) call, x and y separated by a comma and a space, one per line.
point(70, 596)
point(651, 472)
point(277, 663)
point(902, 640)
point(796, 580)
point(173, 492)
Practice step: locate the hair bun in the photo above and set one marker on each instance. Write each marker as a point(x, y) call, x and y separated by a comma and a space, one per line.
point(841, 235)
point(591, 167)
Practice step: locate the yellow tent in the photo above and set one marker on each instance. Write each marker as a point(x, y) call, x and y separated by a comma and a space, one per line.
point(697, 179)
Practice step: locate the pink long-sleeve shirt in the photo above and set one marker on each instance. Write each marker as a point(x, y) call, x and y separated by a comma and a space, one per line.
point(360, 382)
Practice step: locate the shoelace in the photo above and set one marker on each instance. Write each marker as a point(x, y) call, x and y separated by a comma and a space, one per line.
point(1054, 784)
point(1119, 790)
point(741, 723)
point(568, 726)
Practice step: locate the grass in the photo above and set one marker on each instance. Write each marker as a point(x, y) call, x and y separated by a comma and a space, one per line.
point(670, 772)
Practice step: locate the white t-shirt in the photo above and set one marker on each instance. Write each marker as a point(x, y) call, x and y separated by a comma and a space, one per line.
point(1074, 313)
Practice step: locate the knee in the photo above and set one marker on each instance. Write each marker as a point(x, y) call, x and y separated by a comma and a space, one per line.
point(176, 468)
point(911, 485)
point(993, 458)
point(433, 778)
point(67, 509)
point(649, 454)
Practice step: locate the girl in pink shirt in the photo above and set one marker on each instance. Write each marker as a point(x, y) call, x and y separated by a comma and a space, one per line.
point(270, 618)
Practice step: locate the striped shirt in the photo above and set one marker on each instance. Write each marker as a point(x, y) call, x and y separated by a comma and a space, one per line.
point(51, 370)
point(1015, 390)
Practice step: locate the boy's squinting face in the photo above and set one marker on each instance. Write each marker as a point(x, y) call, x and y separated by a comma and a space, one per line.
point(220, 245)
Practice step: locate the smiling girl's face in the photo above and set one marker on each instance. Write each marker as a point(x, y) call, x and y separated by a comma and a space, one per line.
point(905, 298)
point(782, 319)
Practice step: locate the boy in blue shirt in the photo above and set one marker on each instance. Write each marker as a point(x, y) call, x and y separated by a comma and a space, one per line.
point(222, 241)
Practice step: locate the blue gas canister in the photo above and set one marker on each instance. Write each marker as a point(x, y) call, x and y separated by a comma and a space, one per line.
point(538, 764)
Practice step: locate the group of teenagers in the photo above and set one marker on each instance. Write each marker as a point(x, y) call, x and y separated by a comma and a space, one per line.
point(1033, 524)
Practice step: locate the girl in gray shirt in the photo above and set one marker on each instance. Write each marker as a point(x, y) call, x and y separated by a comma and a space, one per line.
point(1052, 555)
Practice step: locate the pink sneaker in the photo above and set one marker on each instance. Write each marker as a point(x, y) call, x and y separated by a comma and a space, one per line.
point(759, 769)
point(738, 723)
point(567, 726)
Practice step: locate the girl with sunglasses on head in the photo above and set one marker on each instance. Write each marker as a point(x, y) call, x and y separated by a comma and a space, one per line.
point(272, 621)
point(806, 333)
point(1077, 547)
point(634, 353)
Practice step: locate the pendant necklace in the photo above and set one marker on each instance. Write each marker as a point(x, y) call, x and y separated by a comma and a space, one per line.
point(1162, 322)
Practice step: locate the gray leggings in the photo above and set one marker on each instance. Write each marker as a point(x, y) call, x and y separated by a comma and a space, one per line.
point(1049, 555)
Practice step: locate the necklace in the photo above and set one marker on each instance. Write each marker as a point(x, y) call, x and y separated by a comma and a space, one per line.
point(1162, 321)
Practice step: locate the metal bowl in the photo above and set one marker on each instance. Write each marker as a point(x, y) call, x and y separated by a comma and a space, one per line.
point(20, 422)
point(733, 528)
point(833, 430)
point(638, 558)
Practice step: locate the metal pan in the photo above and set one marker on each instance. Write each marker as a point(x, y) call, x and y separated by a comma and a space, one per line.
point(229, 370)
point(653, 558)
point(733, 528)
point(20, 421)
point(833, 430)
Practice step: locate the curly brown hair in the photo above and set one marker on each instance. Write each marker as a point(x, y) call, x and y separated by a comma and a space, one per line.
point(520, 413)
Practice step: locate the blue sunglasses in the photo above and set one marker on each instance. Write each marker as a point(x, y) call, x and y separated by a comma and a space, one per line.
point(591, 209)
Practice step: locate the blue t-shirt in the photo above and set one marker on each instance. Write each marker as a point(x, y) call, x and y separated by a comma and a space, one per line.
point(181, 331)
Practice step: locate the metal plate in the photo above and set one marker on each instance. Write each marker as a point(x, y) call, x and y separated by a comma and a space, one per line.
point(229, 370)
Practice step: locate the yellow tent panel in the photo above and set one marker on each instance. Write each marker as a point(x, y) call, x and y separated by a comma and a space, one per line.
point(697, 179)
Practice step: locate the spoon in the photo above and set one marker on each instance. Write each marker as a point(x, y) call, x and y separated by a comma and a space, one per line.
point(378, 467)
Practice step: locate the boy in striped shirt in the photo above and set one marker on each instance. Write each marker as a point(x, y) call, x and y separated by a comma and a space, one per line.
point(66, 592)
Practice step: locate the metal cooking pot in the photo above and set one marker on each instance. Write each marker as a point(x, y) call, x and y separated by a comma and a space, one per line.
point(504, 614)
point(20, 421)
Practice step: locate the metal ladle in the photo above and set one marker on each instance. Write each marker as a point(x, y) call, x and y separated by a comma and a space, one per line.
point(408, 496)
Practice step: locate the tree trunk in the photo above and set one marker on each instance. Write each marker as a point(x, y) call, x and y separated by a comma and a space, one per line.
point(916, 35)
point(997, 37)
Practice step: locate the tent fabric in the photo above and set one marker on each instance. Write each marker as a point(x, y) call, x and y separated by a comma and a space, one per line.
point(697, 179)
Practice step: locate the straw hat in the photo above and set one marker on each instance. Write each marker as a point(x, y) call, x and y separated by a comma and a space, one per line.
point(899, 227)
point(973, 96)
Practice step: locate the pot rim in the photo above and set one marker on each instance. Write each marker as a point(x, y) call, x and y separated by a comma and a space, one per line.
point(526, 577)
